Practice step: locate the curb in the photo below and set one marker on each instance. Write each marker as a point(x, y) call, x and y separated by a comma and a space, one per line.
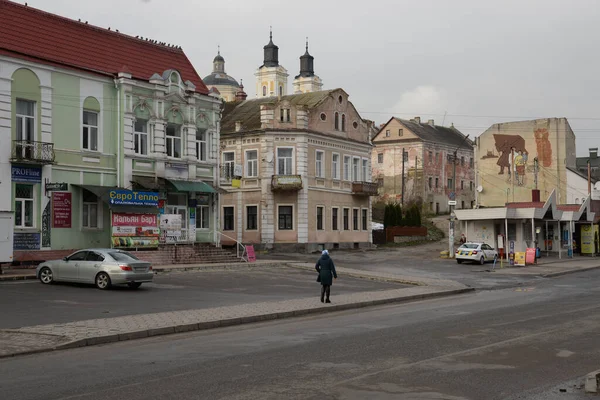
point(202, 267)
point(146, 333)
point(572, 271)
point(4, 278)
point(591, 382)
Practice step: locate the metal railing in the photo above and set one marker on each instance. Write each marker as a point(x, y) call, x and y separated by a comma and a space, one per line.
point(239, 247)
point(365, 188)
point(227, 172)
point(32, 151)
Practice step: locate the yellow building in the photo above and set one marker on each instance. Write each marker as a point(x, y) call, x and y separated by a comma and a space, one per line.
point(513, 158)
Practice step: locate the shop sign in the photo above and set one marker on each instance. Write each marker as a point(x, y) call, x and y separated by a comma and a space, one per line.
point(56, 186)
point(177, 171)
point(130, 198)
point(203, 199)
point(26, 174)
point(588, 236)
point(61, 209)
point(26, 241)
point(530, 256)
point(520, 258)
point(135, 230)
point(170, 226)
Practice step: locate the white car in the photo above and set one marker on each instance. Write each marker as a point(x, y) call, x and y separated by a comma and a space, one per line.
point(475, 252)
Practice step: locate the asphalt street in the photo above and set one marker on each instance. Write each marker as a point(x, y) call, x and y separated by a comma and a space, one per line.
point(27, 303)
point(519, 343)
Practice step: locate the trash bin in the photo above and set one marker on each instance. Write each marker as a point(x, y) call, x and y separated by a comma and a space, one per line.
point(538, 252)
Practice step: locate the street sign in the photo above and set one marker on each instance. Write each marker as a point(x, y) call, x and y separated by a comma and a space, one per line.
point(451, 202)
point(452, 195)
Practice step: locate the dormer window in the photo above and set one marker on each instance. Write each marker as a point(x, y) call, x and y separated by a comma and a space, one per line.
point(175, 78)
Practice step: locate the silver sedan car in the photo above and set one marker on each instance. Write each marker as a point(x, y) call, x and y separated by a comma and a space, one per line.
point(102, 267)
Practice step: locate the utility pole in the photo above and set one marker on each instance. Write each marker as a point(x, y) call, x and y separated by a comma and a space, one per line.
point(402, 199)
point(535, 172)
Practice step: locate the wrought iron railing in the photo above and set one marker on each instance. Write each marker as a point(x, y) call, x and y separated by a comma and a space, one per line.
point(32, 151)
point(227, 172)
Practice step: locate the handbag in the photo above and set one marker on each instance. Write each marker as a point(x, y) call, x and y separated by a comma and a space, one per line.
point(319, 278)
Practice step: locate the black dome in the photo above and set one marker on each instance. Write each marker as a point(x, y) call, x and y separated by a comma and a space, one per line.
point(220, 79)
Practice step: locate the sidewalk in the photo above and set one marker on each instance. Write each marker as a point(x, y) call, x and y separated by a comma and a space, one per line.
point(33, 339)
point(549, 267)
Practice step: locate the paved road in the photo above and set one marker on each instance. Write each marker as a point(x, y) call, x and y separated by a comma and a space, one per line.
point(29, 303)
point(525, 343)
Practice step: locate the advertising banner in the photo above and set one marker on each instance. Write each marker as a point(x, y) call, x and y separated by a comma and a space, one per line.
point(61, 209)
point(130, 198)
point(588, 236)
point(170, 226)
point(134, 230)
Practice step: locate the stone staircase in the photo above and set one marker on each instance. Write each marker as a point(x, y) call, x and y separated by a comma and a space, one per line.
point(198, 253)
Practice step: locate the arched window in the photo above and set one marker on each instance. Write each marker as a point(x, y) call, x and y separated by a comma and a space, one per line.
point(337, 121)
point(264, 90)
point(280, 90)
point(343, 122)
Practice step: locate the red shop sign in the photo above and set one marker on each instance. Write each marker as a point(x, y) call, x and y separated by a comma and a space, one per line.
point(122, 219)
point(61, 209)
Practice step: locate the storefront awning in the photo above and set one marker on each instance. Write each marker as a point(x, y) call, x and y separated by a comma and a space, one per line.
point(192, 186)
point(102, 192)
point(148, 182)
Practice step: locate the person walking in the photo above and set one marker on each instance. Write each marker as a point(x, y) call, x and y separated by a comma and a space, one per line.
point(326, 270)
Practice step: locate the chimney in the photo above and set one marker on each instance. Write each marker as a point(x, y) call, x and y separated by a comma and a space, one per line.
point(535, 195)
point(430, 122)
point(238, 126)
point(417, 120)
point(594, 152)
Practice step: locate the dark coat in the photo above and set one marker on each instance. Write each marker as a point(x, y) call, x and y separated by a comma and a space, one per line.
point(326, 270)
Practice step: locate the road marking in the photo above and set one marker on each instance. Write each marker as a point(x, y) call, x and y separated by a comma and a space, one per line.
point(529, 289)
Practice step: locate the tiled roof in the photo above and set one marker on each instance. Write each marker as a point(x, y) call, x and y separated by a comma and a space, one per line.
point(438, 134)
point(36, 35)
point(248, 111)
point(569, 207)
point(526, 204)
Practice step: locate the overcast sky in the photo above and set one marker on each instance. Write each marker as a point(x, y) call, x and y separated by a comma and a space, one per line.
point(477, 61)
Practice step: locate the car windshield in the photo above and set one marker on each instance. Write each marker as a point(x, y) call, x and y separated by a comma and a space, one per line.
point(123, 256)
point(469, 246)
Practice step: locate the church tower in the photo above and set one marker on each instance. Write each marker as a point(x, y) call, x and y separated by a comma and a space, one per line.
point(271, 78)
point(307, 81)
point(226, 86)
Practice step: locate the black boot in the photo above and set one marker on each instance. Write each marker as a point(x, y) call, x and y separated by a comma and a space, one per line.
point(322, 294)
point(327, 301)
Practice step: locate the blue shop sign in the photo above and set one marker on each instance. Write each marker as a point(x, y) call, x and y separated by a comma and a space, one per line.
point(130, 198)
point(26, 241)
point(26, 174)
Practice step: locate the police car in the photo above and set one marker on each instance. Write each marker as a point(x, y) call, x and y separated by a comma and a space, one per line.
point(475, 252)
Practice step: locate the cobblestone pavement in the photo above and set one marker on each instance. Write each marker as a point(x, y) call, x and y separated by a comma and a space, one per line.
point(14, 342)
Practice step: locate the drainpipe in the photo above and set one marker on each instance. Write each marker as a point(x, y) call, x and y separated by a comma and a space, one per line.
point(118, 132)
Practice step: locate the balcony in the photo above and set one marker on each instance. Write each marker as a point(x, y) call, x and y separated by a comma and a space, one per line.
point(30, 152)
point(281, 183)
point(227, 173)
point(365, 188)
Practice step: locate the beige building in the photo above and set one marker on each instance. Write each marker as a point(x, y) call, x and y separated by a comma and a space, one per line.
point(515, 157)
point(297, 172)
point(429, 170)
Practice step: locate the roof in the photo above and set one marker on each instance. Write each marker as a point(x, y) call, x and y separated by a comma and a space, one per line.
point(248, 111)
point(526, 204)
point(569, 207)
point(434, 133)
point(36, 35)
point(583, 175)
point(218, 78)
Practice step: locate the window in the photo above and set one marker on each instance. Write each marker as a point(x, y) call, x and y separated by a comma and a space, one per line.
point(355, 125)
point(400, 132)
point(449, 158)
point(450, 183)
point(462, 185)
point(462, 161)
point(284, 161)
point(340, 99)
point(437, 157)
point(201, 144)
point(470, 185)
point(337, 121)
point(437, 183)
point(462, 204)
point(251, 218)
point(346, 219)
point(365, 216)
point(387, 133)
point(319, 155)
point(202, 217)
point(79, 256)
point(356, 169)
point(334, 218)
point(251, 163)
point(90, 130)
point(120, 255)
point(228, 164)
point(355, 219)
point(25, 120)
point(320, 212)
point(140, 136)
point(365, 170)
point(335, 166)
point(323, 117)
point(24, 206)
point(286, 221)
point(280, 90)
point(343, 122)
point(471, 162)
point(173, 141)
point(228, 224)
point(346, 168)
point(284, 114)
point(93, 256)
point(380, 158)
point(90, 210)
point(430, 182)
point(264, 90)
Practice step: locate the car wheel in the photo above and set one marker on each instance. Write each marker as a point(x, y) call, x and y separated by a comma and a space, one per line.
point(134, 285)
point(459, 261)
point(482, 260)
point(102, 281)
point(46, 276)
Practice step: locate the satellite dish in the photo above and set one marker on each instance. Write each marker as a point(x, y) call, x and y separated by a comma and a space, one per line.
point(269, 157)
point(479, 189)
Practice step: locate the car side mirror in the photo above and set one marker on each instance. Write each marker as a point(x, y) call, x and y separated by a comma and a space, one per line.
point(65, 259)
